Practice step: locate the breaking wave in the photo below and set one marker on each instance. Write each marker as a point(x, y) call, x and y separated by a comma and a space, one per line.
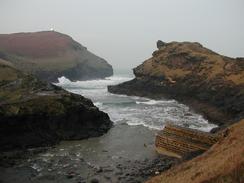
point(134, 110)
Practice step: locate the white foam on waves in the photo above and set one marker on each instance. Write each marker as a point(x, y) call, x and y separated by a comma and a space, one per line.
point(132, 109)
point(92, 84)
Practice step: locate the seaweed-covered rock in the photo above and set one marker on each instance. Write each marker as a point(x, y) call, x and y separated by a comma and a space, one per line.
point(34, 113)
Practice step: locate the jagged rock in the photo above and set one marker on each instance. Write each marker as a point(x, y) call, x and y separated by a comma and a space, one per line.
point(183, 142)
point(160, 44)
point(50, 55)
point(35, 113)
point(224, 162)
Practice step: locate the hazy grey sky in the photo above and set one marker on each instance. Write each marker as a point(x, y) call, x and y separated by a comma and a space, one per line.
point(125, 32)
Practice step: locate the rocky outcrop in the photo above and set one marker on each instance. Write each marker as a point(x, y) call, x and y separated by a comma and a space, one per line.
point(34, 113)
point(160, 44)
point(211, 83)
point(180, 142)
point(224, 162)
point(50, 55)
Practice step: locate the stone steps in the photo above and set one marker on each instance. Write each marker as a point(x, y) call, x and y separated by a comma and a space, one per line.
point(179, 141)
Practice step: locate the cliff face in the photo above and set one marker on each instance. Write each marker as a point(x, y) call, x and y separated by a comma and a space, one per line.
point(224, 162)
point(50, 55)
point(34, 113)
point(213, 84)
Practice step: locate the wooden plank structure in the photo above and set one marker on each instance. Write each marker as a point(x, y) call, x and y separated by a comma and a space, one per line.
point(177, 141)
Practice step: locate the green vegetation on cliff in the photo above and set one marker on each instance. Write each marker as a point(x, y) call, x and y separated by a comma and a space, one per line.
point(50, 55)
point(35, 113)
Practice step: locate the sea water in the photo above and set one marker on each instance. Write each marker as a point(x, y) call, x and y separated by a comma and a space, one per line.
point(135, 110)
point(126, 153)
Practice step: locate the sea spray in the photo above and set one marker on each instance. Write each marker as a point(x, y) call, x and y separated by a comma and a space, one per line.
point(135, 110)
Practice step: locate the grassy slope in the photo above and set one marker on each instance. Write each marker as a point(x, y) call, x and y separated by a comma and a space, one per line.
point(7, 72)
point(177, 60)
point(47, 51)
point(223, 163)
point(20, 93)
point(211, 83)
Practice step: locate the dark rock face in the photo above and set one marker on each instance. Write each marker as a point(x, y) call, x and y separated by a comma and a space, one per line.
point(34, 113)
point(212, 84)
point(160, 44)
point(50, 55)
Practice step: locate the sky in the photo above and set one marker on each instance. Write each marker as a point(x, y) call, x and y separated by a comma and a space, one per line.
point(124, 32)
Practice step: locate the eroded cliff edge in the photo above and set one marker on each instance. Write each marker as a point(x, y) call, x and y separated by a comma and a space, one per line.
point(209, 82)
point(34, 113)
point(50, 55)
point(223, 162)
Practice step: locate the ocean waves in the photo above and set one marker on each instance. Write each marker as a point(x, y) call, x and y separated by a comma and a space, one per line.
point(134, 110)
point(92, 84)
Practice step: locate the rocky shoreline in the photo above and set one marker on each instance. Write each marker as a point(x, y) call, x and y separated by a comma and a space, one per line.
point(223, 162)
point(208, 82)
point(145, 87)
point(211, 84)
point(36, 116)
point(35, 113)
point(129, 171)
point(88, 160)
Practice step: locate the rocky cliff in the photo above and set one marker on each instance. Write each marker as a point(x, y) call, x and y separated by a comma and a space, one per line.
point(224, 162)
point(34, 113)
point(209, 82)
point(50, 55)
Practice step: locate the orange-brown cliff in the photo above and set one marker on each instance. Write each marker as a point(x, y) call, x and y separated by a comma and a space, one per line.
point(223, 163)
point(211, 83)
point(49, 55)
